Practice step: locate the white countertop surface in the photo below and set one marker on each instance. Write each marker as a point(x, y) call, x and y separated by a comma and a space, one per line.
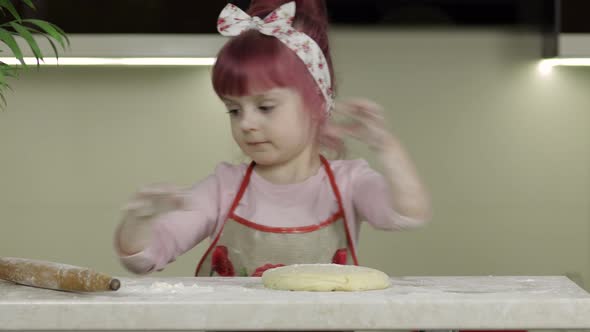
point(244, 304)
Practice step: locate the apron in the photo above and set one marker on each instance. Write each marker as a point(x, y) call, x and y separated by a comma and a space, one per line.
point(245, 248)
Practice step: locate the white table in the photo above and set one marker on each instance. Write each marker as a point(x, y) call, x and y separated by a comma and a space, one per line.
point(244, 304)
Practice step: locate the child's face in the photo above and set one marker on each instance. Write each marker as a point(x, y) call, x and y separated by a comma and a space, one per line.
point(271, 127)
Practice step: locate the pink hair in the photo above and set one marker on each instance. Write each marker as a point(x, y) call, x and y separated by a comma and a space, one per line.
point(253, 62)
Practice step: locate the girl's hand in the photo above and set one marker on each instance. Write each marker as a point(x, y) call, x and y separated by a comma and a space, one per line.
point(364, 122)
point(154, 199)
point(134, 233)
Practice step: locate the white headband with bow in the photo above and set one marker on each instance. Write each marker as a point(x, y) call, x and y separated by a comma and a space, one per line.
point(279, 23)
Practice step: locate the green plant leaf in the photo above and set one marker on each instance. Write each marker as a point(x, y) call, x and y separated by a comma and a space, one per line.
point(53, 30)
point(29, 3)
point(24, 32)
point(8, 39)
point(10, 7)
point(3, 76)
point(8, 70)
point(3, 104)
point(5, 71)
point(52, 46)
point(51, 42)
point(16, 27)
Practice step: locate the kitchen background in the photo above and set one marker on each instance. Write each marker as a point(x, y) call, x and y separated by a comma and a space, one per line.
point(504, 149)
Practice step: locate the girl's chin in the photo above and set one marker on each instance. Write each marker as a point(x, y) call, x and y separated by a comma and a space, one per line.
point(263, 158)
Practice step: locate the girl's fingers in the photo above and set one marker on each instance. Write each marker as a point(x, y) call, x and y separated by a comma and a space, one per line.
point(368, 109)
point(346, 129)
point(346, 109)
point(131, 205)
point(153, 200)
point(157, 190)
point(360, 110)
point(140, 208)
point(365, 103)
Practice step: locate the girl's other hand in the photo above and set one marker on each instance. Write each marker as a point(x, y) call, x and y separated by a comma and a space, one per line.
point(364, 121)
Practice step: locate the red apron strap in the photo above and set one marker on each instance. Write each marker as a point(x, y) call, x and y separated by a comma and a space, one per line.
point(242, 189)
point(235, 203)
point(341, 206)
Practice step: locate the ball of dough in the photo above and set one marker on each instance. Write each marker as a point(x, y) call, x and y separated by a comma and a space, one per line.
point(325, 278)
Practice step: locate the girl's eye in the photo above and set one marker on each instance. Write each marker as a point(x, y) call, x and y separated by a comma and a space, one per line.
point(266, 108)
point(232, 112)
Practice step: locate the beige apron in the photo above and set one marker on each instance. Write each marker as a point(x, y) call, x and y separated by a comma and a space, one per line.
point(244, 248)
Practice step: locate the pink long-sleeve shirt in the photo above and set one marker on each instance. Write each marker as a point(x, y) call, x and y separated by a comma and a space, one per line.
point(365, 193)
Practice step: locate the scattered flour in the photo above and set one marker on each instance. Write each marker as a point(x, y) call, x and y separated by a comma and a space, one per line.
point(177, 287)
point(159, 287)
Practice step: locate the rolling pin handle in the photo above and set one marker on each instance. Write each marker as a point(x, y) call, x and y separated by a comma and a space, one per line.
point(114, 284)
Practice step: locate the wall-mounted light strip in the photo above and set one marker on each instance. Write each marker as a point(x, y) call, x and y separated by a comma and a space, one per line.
point(93, 61)
point(546, 65)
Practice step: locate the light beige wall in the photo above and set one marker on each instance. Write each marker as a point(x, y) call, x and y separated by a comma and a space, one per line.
point(504, 151)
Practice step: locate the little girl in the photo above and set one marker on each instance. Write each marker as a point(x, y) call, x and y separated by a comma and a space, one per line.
point(290, 204)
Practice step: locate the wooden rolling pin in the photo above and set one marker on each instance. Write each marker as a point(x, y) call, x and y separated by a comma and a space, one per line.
point(55, 276)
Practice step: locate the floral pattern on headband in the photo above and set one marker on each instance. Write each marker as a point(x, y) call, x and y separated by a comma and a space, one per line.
point(279, 23)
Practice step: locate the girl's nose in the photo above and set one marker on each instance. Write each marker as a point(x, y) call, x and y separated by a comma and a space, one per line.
point(248, 121)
